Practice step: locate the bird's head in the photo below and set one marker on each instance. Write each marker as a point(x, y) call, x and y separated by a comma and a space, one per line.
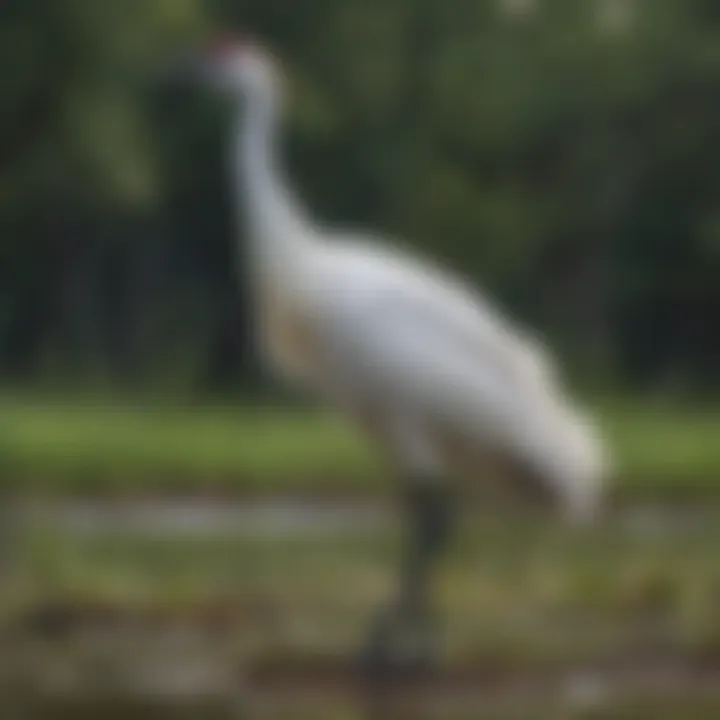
point(237, 65)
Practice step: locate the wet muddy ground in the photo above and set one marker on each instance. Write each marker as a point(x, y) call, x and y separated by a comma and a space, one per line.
point(205, 610)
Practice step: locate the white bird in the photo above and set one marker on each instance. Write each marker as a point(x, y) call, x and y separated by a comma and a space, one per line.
point(437, 376)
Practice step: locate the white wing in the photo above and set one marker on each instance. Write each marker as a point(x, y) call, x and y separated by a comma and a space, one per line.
point(367, 280)
point(414, 340)
point(420, 358)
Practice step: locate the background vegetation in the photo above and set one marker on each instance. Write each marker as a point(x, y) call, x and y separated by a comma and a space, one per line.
point(563, 154)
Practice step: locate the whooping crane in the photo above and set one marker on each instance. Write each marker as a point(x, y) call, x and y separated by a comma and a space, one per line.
point(421, 362)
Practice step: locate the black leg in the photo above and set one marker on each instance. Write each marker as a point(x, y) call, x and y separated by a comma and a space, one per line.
point(402, 639)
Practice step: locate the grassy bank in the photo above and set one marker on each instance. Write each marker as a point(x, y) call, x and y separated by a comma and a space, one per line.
point(102, 447)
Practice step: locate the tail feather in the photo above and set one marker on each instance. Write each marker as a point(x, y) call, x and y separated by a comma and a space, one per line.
point(578, 462)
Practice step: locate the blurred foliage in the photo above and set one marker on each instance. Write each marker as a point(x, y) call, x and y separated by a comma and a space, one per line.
point(564, 154)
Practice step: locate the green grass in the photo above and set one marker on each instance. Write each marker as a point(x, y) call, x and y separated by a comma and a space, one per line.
point(89, 446)
point(94, 446)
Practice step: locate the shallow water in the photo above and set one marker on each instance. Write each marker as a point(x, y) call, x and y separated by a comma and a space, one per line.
point(197, 517)
point(287, 517)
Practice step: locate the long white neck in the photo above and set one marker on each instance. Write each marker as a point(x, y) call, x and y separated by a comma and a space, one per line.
point(278, 231)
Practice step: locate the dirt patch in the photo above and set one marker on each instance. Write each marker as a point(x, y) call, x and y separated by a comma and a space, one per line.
point(198, 652)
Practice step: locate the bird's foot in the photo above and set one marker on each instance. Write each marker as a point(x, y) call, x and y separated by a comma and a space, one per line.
point(403, 647)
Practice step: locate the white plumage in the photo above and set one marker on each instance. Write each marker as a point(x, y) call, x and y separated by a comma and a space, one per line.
point(441, 381)
point(411, 352)
point(434, 360)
